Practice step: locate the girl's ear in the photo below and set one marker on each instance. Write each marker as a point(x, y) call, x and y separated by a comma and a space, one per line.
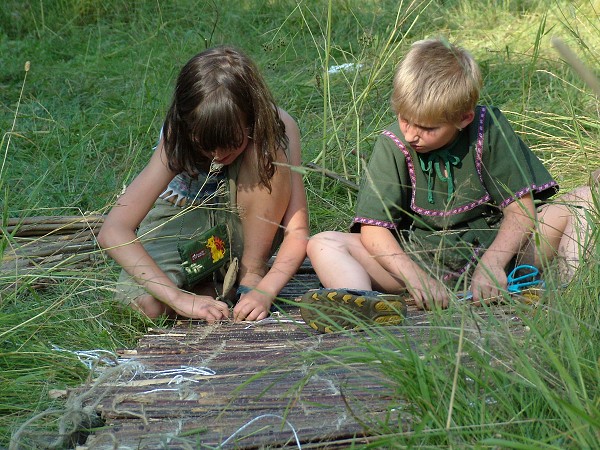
point(466, 119)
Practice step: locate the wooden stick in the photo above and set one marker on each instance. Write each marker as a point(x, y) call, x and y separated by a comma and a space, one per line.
point(20, 243)
point(45, 230)
point(36, 226)
point(93, 218)
point(70, 260)
point(331, 174)
point(60, 248)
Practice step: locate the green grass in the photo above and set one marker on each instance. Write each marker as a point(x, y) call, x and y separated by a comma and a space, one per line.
point(470, 381)
point(82, 122)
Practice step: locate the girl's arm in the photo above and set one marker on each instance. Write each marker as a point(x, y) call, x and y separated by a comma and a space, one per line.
point(118, 237)
point(489, 279)
point(264, 215)
point(381, 243)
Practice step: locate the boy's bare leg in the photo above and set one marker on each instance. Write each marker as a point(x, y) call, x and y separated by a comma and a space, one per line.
point(334, 263)
point(565, 232)
point(342, 262)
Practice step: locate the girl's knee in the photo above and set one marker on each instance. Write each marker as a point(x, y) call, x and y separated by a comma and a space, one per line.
point(150, 306)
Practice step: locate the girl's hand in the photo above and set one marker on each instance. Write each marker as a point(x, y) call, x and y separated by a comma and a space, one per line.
point(252, 305)
point(488, 283)
point(200, 307)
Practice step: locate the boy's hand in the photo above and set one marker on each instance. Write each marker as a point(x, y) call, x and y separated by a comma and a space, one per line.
point(427, 291)
point(488, 283)
point(252, 305)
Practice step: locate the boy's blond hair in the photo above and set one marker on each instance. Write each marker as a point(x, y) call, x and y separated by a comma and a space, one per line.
point(436, 82)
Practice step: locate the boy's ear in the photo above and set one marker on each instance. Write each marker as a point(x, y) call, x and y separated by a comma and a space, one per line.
point(466, 119)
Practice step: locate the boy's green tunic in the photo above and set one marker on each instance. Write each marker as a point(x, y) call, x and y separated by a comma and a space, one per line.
point(446, 205)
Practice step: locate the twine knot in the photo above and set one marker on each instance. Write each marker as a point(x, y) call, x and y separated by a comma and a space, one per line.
point(433, 162)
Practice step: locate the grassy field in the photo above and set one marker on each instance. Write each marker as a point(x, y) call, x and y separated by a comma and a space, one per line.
point(81, 121)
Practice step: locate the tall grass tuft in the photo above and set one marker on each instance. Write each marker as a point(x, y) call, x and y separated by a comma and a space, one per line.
point(472, 379)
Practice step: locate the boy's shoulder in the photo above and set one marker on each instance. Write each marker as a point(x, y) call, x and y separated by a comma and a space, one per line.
point(390, 135)
point(494, 120)
point(392, 127)
point(490, 112)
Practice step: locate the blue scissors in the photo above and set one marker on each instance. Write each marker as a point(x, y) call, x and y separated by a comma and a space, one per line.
point(524, 276)
point(520, 277)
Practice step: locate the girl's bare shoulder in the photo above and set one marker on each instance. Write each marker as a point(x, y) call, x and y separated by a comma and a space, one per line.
point(293, 134)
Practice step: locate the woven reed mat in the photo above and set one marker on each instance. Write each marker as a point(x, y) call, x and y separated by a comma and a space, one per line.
point(256, 385)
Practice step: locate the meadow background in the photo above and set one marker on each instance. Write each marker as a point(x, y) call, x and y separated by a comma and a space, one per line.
point(81, 122)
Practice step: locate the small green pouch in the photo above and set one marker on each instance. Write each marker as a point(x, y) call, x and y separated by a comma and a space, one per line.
point(202, 256)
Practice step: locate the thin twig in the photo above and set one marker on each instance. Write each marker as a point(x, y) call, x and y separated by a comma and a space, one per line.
point(331, 174)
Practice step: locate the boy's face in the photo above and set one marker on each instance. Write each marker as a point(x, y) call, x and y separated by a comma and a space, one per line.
point(425, 138)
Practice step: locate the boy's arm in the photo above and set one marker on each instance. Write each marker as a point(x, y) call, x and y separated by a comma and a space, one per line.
point(381, 243)
point(489, 279)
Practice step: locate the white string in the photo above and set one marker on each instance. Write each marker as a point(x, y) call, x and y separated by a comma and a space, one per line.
point(151, 391)
point(262, 417)
point(183, 370)
point(178, 379)
point(91, 358)
point(274, 318)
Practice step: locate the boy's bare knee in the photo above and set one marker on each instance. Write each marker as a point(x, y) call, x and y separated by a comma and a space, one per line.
point(581, 196)
point(319, 237)
point(595, 178)
point(581, 192)
point(325, 239)
point(315, 244)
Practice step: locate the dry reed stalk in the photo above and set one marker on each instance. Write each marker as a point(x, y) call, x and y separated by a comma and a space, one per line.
point(36, 246)
point(333, 175)
point(42, 225)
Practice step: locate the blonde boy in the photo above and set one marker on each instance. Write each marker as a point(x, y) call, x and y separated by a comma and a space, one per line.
point(450, 199)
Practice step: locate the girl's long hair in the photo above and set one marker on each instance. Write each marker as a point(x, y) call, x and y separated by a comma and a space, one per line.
point(220, 98)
